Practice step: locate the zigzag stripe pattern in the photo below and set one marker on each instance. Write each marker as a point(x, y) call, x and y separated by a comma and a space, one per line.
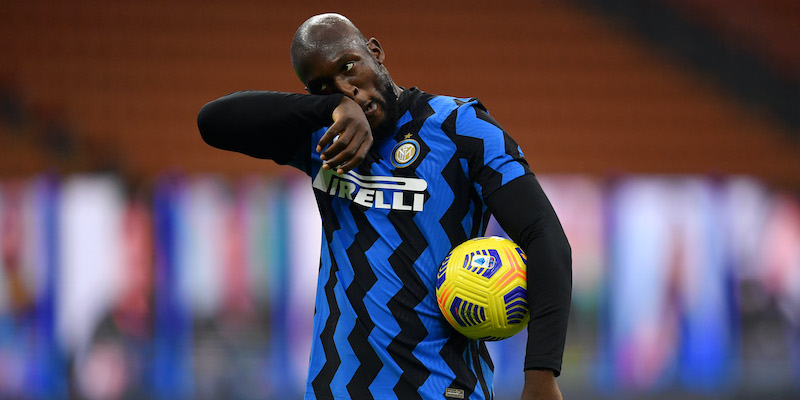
point(413, 291)
point(364, 278)
point(321, 382)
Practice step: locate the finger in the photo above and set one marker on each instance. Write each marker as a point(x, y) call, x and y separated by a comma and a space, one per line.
point(354, 156)
point(328, 138)
point(339, 146)
point(342, 157)
point(340, 142)
point(356, 160)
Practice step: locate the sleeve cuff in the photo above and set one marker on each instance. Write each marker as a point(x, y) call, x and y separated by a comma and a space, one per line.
point(555, 367)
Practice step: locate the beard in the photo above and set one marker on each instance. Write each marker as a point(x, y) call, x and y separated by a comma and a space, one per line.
point(390, 107)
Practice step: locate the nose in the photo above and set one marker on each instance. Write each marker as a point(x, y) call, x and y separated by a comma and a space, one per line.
point(345, 87)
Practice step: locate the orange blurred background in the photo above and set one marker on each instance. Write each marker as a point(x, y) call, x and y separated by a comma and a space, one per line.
point(581, 92)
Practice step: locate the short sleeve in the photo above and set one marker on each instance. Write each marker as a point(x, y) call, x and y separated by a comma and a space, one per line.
point(301, 157)
point(493, 157)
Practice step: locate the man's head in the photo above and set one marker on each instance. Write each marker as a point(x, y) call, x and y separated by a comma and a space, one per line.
point(330, 55)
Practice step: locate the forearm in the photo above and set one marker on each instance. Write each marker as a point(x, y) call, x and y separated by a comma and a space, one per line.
point(525, 213)
point(264, 124)
point(549, 296)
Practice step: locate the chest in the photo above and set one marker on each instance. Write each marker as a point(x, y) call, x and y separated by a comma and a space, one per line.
point(412, 175)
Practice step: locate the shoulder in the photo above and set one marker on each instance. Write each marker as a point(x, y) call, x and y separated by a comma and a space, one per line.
point(466, 111)
point(451, 115)
point(461, 105)
point(451, 110)
point(471, 118)
point(439, 103)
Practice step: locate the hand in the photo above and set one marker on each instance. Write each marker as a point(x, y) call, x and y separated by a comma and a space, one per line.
point(540, 385)
point(355, 138)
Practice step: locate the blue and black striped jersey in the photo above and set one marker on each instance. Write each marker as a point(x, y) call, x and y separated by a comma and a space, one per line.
point(387, 225)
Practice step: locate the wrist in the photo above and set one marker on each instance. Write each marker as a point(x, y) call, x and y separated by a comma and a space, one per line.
point(540, 384)
point(343, 104)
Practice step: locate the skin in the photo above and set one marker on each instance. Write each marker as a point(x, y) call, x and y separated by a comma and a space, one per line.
point(330, 55)
point(540, 385)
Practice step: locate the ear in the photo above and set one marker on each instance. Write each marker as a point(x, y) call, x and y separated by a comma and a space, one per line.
point(375, 48)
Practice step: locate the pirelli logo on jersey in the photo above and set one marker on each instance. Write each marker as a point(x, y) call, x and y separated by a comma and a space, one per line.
point(385, 192)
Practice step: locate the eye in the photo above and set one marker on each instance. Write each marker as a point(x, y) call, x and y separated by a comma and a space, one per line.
point(348, 66)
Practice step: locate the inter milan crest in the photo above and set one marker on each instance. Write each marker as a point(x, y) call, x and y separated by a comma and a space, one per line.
point(405, 153)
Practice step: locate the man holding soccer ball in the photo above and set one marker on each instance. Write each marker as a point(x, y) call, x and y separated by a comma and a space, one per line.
point(400, 177)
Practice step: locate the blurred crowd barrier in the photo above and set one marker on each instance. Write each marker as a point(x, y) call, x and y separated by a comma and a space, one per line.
point(203, 287)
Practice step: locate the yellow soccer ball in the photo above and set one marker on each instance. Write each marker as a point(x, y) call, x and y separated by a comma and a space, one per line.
point(481, 288)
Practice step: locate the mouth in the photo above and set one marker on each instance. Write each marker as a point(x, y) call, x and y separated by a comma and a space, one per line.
point(370, 108)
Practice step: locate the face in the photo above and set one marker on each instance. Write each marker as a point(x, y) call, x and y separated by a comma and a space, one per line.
point(358, 73)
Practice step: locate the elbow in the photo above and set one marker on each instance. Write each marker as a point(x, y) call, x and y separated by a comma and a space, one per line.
point(208, 124)
point(567, 256)
point(551, 245)
point(562, 251)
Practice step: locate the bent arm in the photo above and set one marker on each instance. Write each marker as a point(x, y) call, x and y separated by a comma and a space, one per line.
point(524, 212)
point(265, 124)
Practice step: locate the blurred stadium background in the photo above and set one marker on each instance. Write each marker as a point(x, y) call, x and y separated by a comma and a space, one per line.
point(138, 263)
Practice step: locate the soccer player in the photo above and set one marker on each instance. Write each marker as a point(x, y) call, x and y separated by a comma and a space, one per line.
point(400, 178)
